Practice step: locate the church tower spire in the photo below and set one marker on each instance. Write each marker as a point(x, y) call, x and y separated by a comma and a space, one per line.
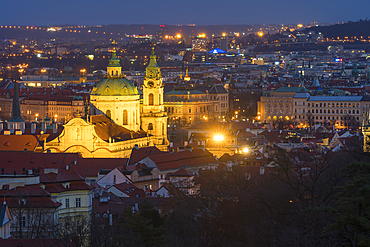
point(16, 121)
point(154, 119)
point(114, 69)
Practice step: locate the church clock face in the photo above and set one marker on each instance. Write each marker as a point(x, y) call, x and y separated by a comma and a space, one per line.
point(150, 84)
point(150, 74)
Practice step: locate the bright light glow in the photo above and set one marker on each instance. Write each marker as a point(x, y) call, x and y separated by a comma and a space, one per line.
point(223, 34)
point(218, 137)
point(300, 25)
point(260, 34)
point(245, 150)
point(178, 36)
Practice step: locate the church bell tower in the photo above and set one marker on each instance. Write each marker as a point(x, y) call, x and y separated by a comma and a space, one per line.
point(153, 117)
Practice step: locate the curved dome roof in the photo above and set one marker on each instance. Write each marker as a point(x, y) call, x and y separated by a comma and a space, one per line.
point(68, 70)
point(114, 87)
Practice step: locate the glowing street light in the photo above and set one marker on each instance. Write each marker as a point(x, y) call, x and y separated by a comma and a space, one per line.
point(223, 34)
point(218, 138)
point(260, 34)
point(178, 36)
point(43, 71)
point(245, 150)
point(83, 71)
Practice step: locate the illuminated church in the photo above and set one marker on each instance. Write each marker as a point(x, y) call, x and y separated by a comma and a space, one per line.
point(116, 121)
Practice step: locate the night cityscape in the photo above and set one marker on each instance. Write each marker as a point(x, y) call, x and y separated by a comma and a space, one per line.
point(184, 124)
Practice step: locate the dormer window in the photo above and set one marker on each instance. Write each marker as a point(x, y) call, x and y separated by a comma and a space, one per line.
point(66, 185)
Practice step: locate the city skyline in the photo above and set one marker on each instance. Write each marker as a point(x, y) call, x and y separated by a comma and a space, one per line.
point(95, 12)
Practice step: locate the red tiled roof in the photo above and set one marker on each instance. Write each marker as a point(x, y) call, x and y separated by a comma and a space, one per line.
point(28, 190)
point(141, 153)
point(130, 189)
point(63, 176)
point(86, 167)
point(113, 207)
point(18, 142)
point(75, 185)
point(182, 173)
point(185, 158)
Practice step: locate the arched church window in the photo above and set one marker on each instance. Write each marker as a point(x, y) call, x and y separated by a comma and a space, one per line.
point(108, 113)
point(150, 126)
point(151, 99)
point(124, 122)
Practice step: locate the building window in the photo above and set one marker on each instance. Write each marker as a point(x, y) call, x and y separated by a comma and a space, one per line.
point(151, 99)
point(189, 110)
point(124, 122)
point(108, 113)
point(150, 126)
point(23, 221)
point(67, 203)
point(78, 202)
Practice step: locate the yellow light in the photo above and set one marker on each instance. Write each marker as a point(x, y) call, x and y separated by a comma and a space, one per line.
point(178, 36)
point(237, 34)
point(37, 114)
point(218, 137)
point(166, 37)
point(223, 34)
point(83, 70)
point(56, 115)
point(246, 150)
point(300, 25)
point(260, 34)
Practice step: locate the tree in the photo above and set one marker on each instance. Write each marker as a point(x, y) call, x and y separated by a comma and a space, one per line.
point(354, 205)
point(134, 230)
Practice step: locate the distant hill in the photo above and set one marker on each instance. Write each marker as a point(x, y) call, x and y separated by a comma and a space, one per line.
point(349, 29)
point(117, 31)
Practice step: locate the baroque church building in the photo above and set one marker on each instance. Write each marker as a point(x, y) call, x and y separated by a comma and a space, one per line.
point(116, 121)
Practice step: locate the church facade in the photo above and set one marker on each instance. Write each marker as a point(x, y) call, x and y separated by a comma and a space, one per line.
point(116, 121)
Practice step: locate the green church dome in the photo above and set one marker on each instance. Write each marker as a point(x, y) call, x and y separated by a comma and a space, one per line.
point(114, 87)
point(114, 84)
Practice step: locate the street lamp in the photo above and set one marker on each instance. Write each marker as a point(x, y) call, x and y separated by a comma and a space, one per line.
point(218, 138)
point(83, 71)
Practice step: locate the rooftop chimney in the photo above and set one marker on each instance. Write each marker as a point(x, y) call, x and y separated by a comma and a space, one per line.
point(33, 128)
point(55, 128)
point(43, 127)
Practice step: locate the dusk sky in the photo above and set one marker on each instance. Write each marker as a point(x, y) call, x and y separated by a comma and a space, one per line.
point(93, 12)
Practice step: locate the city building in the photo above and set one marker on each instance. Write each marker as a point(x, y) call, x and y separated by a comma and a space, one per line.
point(277, 104)
point(118, 122)
point(188, 105)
